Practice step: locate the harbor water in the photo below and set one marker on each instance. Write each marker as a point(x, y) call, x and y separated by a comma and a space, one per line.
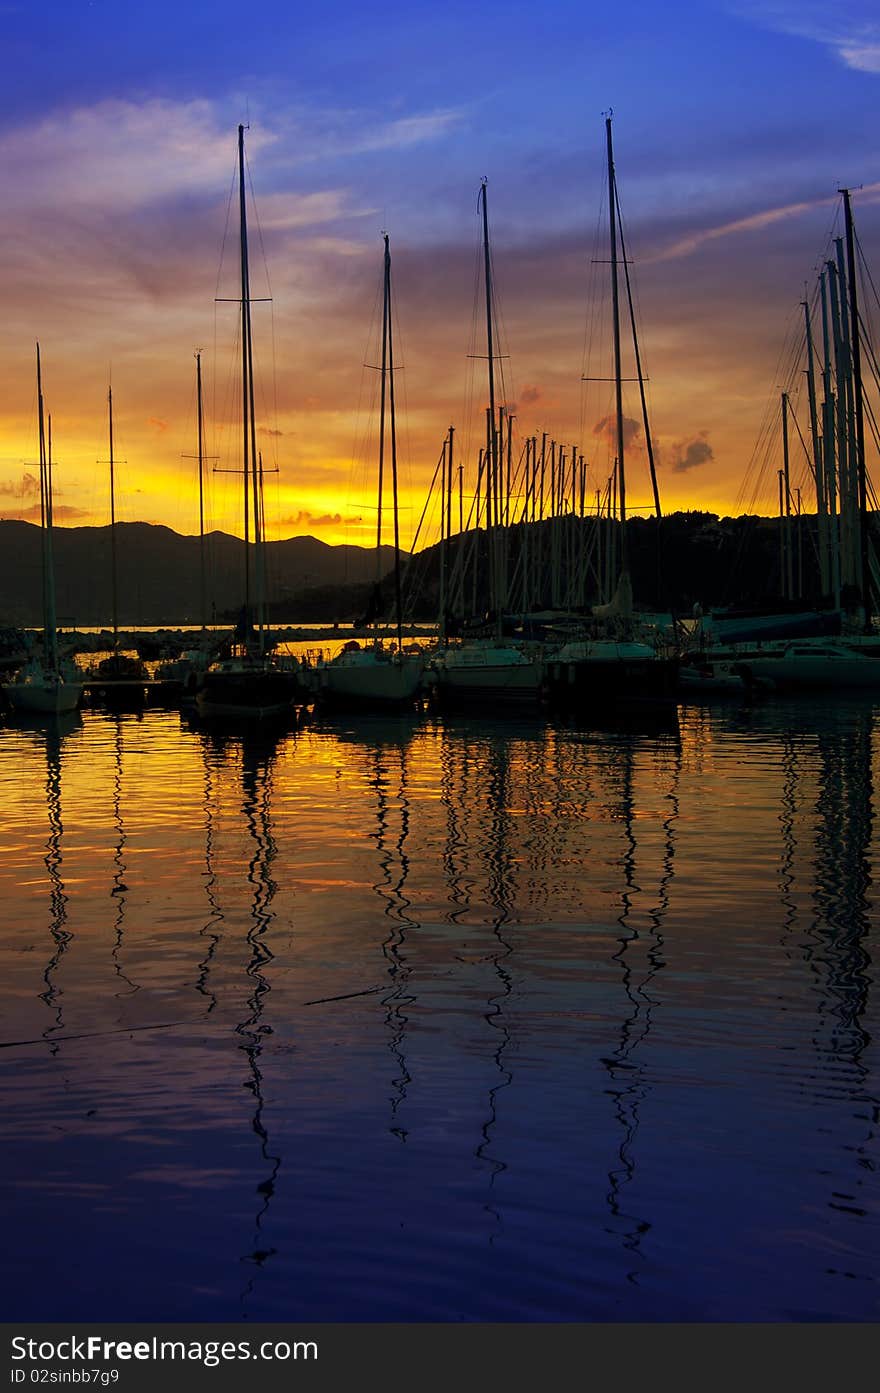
point(435, 1019)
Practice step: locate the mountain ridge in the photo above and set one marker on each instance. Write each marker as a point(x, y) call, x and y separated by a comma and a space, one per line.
point(159, 572)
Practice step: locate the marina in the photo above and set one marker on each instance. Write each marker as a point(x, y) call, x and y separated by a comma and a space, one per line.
point(440, 742)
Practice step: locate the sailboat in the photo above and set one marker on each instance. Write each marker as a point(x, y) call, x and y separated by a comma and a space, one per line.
point(118, 680)
point(611, 666)
point(251, 682)
point(376, 676)
point(786, 640)
point(181, 675)
point(46, 684)
point(489, 669)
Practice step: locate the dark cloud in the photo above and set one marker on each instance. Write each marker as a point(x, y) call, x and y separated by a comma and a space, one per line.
point(267, 430)
point(691, 454)
point(529, 395)
point(606, 429)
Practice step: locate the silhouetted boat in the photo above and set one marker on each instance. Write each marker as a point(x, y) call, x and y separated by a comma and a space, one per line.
point(820, 666)
point(46, 683)
point(251, 681)
point(489, 669)
point(376, 676)
point(120, 679)
point(182, 675)
point(611, 663)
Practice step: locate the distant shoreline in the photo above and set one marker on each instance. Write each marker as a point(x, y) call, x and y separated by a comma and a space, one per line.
point(180, 636)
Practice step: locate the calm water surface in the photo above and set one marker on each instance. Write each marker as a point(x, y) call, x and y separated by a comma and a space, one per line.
point(416, 1019)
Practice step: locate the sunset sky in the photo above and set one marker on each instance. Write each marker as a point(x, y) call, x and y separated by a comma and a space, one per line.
point(735, 122)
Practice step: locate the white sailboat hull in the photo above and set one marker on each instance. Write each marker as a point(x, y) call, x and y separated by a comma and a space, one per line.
point(489, 673)
point(366, 679)
point(827, 668)
point(44, 696)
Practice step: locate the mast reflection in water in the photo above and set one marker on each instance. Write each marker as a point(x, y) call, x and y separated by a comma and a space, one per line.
point(424, 1019)
point(54, 731)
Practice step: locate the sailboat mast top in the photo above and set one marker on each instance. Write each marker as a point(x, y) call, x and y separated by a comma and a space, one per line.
point(490, 346)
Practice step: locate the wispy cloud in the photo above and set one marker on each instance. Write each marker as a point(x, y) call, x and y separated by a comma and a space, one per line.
point(325, 134)
point(411, 130)
point(123, 155)
point(851, 31)
point(117, 154)
point(285, 212)
point(61, 512)
point(755, 222)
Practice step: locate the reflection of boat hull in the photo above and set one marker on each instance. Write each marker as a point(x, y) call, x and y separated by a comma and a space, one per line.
point(363, 679)
point(44, 694)
point(242, 689)
point(702, 681)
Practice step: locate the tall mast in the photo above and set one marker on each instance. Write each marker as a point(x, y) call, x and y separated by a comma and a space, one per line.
point(618, 380)
point(818, 463)
point(856, 360)
point(44, 505)
point(113, 570)
point(51, 630)
point(383, 397)
point(260, 554)
point(449, 490)
point(50, 647)
point(441, 605)
point(246, 373)
point(849, 477)
point(649, 444)
point(491, 436)
point(785, 524)
point(780, 475)
point(387, 333)
point(829, 442)
point(445, 526)
point(847, 510)
point(202, 569)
